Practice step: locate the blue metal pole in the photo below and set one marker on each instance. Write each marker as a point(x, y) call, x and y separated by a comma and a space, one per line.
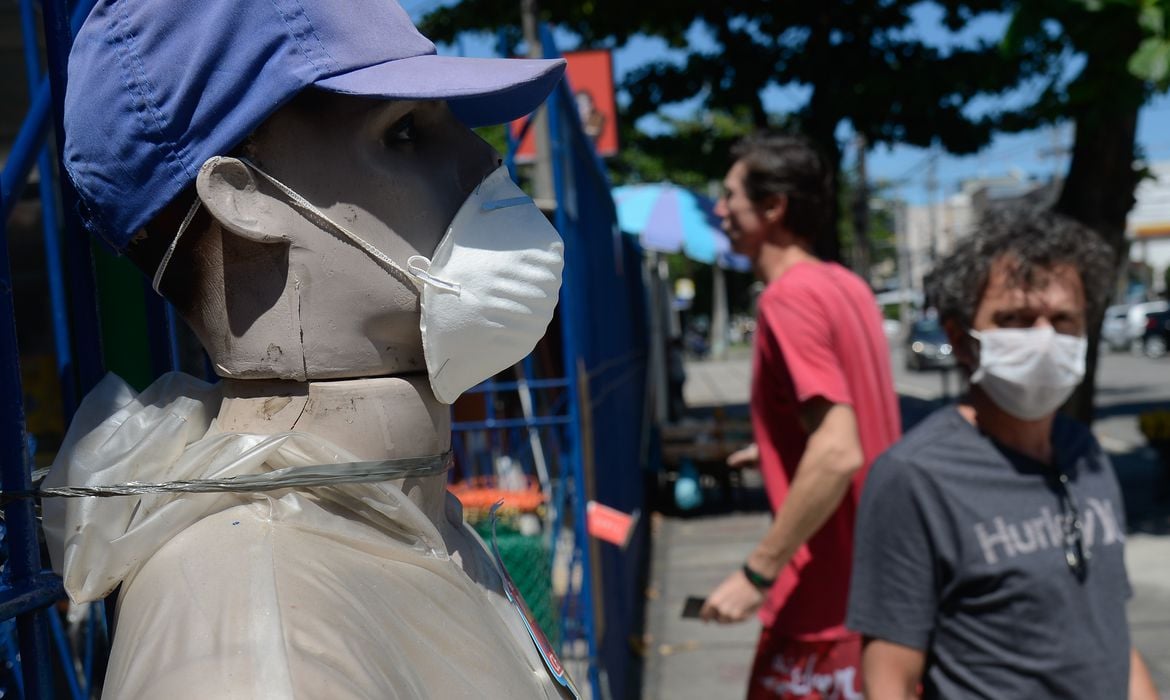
point(571, 352)
point(506, 423)
point(162, 332)
point(32, 130)
point(532, 384)
point(172, 319)
point(24, 151)
point(82, 286)
point(53, 264)
point(24, 555)
point(66, 654)
point(91, 631)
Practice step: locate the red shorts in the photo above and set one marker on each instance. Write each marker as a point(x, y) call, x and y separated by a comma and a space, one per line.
point(790, 668)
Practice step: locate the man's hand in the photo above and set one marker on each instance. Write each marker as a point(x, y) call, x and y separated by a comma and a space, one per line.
point(744, 457)
point(734, 600)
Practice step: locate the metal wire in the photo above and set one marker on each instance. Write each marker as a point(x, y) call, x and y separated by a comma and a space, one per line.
point(288, 477)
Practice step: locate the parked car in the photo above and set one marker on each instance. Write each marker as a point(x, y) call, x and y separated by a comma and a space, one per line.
point(1137, 321)
point(927, 347)
point(1115, 328)
point(1156, 338)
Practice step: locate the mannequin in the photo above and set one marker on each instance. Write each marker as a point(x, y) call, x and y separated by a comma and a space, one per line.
point(357, 590)
point(311, 335)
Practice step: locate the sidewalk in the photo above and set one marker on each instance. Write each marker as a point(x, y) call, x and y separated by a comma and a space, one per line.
point(691, 554)
point(686, 658)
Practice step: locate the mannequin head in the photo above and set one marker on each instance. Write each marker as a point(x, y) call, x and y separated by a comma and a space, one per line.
point(271, 294)
point(343, 101)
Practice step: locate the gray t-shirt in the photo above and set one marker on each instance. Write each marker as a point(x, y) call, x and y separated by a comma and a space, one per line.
point(960, 552)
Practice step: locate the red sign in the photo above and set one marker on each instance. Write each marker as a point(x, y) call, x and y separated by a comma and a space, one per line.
point(590, 78)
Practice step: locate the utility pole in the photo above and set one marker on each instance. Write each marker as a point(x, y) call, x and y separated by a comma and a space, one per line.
point(932, 204)
point(905, 278)
point(542, 181)
point(1055, 152)
point(861, 249)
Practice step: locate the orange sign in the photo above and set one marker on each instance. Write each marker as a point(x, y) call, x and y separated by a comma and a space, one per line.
point(590, 78)
point(1152, 230)
point(609, 524)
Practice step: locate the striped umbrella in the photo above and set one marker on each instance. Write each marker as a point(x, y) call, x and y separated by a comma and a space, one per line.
point(669, 218)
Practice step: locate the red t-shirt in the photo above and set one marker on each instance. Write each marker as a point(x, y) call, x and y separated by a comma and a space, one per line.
point(819, 333)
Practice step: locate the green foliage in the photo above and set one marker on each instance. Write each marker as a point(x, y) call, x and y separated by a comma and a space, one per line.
point(1152, 16)
point(860, 61)
point(859, 58)
point(1151, 61)
point(1116, 36)
point(495, 135)
point(693, 154)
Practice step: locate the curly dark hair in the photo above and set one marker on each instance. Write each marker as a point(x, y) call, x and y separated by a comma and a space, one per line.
point(792, 166)
point(1035, 239)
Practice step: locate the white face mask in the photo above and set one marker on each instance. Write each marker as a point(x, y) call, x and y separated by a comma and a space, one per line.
point(490, 287)
point(487, 293)
point(1029, 372)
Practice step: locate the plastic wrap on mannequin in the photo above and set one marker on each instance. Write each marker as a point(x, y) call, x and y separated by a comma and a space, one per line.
point(311, 335)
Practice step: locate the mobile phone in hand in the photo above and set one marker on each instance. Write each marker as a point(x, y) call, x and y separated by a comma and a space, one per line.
point(692, 606)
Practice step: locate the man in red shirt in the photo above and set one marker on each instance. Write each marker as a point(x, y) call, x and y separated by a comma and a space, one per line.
point(823, 408)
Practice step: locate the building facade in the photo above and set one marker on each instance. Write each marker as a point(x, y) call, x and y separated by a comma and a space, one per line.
point(1148, 230)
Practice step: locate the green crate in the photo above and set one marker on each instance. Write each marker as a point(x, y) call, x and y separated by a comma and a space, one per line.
point(527, 560)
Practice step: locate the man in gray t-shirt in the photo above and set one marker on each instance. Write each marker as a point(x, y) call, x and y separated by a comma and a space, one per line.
point(988, 557)
point(964, 556)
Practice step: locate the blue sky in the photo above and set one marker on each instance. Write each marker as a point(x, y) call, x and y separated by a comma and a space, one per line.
point(1029, 154)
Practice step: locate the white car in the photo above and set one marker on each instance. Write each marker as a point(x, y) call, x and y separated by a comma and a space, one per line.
point(1136, 320)
point(1115, 328)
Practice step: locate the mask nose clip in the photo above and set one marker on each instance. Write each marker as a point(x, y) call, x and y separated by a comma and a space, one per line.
point(505, 203)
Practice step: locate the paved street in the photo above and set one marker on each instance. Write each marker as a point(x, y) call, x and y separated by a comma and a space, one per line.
point(686, 659)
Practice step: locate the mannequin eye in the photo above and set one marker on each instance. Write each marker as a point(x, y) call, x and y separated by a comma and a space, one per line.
point(402, 131)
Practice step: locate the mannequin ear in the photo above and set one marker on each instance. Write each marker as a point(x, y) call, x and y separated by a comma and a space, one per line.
point(228, 190)
point(775, 208)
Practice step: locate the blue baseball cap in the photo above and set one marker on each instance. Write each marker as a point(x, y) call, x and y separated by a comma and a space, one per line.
point(156, 87)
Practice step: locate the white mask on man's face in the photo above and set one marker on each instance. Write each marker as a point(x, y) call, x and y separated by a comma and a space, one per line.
point(487, 293)
point(1029, 372)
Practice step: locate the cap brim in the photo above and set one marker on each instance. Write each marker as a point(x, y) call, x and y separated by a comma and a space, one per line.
point(480, 91)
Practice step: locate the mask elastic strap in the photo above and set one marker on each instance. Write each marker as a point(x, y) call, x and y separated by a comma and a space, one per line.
point(422, 274)
point(166, 258)
point(319, 217)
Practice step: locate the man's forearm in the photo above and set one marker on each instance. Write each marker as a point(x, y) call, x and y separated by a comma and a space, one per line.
point(891, 671)
point(822, 479)
point(1141, 686)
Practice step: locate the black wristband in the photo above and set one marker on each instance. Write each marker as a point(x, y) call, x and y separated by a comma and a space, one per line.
point(756, 578)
